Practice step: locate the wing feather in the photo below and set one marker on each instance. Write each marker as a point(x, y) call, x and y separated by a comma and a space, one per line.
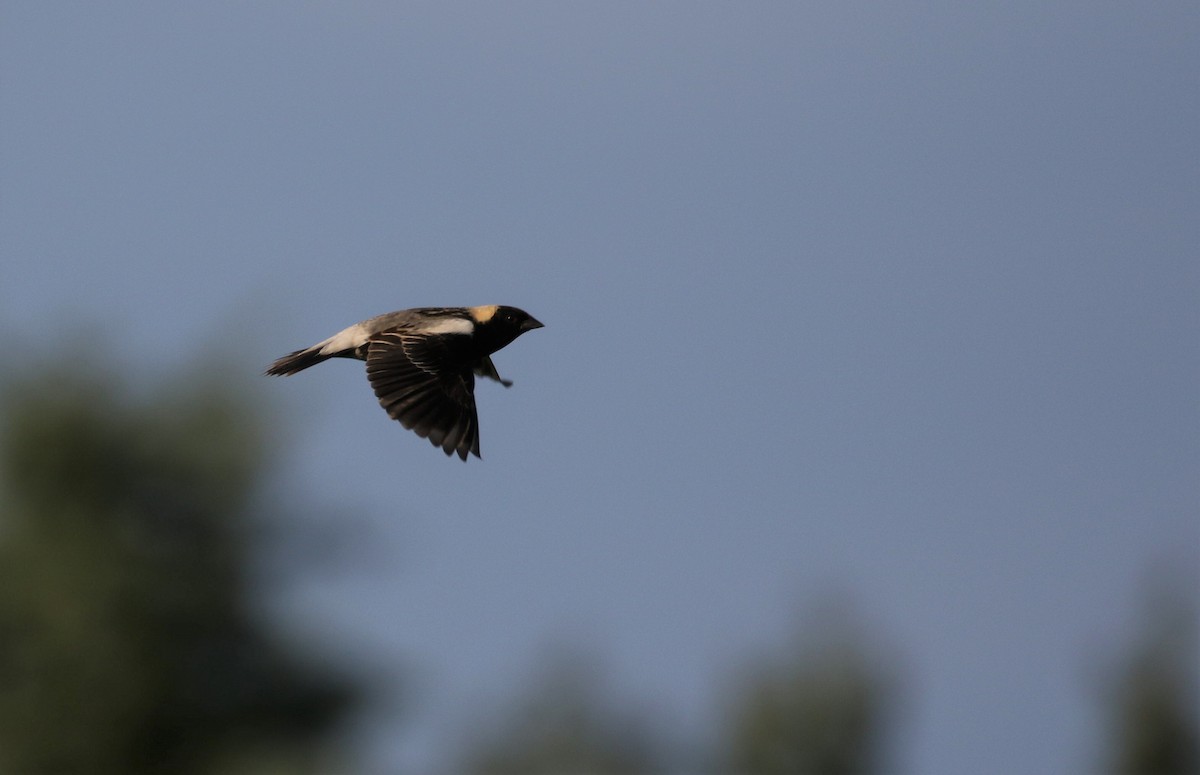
point(419, 381)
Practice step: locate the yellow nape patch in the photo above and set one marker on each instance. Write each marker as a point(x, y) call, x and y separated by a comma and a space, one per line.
point(483, 314)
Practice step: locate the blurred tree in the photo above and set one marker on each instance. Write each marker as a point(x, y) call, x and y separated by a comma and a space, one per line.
point(1155, 726)
point(818, 710)
point(562, 726)
point(128, 641)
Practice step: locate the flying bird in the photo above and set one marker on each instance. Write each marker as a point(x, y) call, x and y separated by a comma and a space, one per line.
point(422, 363)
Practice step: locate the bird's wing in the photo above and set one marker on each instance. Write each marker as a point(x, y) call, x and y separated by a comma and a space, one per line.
point(420, 381)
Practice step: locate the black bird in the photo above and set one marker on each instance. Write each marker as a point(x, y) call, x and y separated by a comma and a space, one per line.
point(422, 365)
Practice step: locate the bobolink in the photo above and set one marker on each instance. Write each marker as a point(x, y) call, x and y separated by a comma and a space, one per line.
point(422, 365)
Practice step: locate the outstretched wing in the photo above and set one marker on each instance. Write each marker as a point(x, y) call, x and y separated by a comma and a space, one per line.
point(426, 384)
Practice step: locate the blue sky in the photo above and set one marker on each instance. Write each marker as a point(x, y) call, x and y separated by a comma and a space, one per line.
point(891, 303)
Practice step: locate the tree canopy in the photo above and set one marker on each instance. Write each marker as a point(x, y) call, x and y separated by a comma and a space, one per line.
point(129, 638)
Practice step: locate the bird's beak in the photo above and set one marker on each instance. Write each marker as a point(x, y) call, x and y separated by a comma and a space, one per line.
point(531, 324)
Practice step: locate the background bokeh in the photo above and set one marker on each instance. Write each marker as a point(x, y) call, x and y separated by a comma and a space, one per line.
point(870, 346)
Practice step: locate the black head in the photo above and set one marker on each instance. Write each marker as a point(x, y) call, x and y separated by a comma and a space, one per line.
point(499, 325)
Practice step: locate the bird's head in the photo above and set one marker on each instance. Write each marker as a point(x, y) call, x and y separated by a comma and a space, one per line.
point(498, 325)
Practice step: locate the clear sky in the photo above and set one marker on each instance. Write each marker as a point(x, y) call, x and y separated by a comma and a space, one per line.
point(892, 302)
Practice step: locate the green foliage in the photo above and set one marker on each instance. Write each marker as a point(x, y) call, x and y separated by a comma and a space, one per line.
point(127, 638)
point(1155, 723)
point(817, 710)
point(562, 725)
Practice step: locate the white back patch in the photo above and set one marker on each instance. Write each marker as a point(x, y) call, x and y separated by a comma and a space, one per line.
point(348, 339)
point(449, 326)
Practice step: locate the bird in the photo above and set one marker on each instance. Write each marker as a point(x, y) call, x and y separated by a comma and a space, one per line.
point(422, 365)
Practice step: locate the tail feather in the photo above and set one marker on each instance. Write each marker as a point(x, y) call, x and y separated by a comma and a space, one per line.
point(297, 361)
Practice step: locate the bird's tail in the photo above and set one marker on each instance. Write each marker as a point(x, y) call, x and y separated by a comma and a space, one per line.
point(298, 361)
